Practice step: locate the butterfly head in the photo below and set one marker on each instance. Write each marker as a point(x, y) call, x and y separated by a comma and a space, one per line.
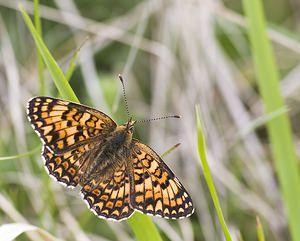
point(123, 133)
point(130, 125)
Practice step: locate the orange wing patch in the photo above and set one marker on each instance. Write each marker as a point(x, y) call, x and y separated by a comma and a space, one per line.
point(155, 189)
point(108, 197)
point(64, 125)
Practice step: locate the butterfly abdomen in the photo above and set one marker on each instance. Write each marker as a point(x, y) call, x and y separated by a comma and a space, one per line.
point(112, 154)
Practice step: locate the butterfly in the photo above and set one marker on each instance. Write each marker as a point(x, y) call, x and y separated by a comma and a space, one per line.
point(117, 174)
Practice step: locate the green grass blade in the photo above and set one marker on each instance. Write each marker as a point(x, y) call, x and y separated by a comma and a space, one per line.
point(171, 149)
point(73, 60)
point(56, 73)
point(71, 66)
point(262, 120)
point(38, 26)
point(142, 225)
point(143, 228)
point(279, 129)
point(208, 176)
point(259, 230)
point(29, 153)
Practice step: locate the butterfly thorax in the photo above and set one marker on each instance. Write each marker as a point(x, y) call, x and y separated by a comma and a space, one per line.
point(111, 154)
point(122, 136)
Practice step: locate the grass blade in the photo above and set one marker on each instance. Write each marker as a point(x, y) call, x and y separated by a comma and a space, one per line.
point(72, 64)
point(259, 230)
point(207, 175)
point(262, 120)
point(29, 153)
point(143, 228)
point(142, 225)
point(171, 149)
point(279, 129)
point(56, 73)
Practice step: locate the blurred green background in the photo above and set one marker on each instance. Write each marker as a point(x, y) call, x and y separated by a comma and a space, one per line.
point(173, 55)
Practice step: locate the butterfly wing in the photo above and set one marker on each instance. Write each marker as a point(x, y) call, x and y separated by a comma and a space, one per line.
point(68, 168)
point(155, 189)
point(108, 196)
point(64, 125)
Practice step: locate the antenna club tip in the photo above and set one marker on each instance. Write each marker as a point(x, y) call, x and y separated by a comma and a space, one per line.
point(177, 116)
point(120, 77)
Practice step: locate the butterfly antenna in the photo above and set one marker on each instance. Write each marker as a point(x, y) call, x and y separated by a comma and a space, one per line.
point(124, 95)
point(159, 118)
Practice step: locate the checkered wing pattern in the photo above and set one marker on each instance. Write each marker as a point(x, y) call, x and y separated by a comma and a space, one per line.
point(155, 190)
point(68, 168)
point(64, 125)
point(108, 196)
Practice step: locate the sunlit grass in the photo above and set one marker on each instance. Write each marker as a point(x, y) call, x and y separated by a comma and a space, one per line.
point(208, 176)
point(279, 129)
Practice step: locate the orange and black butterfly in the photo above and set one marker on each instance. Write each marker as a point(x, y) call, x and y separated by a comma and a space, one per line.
point(118, 174)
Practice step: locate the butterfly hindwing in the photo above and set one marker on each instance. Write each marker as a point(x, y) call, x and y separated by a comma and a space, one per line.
point(108, 196)
point(155, 189)
point(64, 125)
point(67, 168)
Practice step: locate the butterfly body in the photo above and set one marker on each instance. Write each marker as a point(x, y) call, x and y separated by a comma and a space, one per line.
point(115, 151)
point(118, 174)
point(122, 136)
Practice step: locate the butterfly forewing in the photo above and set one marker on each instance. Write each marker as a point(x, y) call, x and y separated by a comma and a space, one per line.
point(64, 125)
point(108, 196)
point(155, 189)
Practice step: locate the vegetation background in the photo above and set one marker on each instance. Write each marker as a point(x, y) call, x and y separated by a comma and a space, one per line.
point(173, 55)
